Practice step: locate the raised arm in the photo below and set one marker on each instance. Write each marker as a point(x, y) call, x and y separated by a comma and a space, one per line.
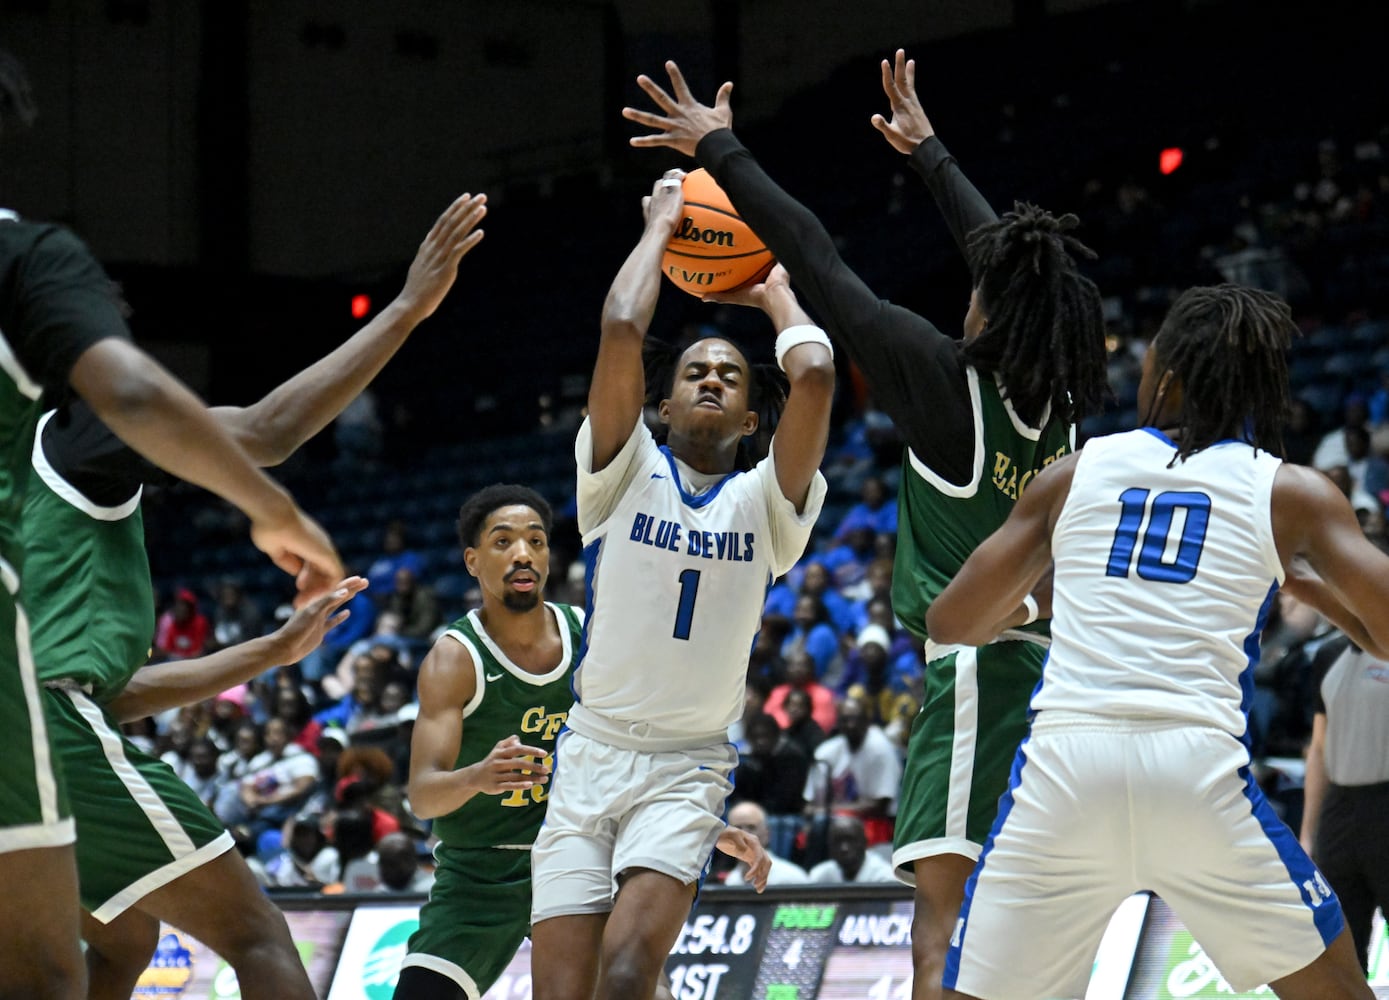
point(618, 390)
point(275, 427)
point(160, 418)
point(1313, 520)
point(162, 686)
point(447, 682)
point(903, 356)
point(987, 594)
point(910, 132)
point(803, 431)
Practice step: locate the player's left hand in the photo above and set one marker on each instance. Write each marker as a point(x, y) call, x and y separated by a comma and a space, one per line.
point(777, 282)
point(909, 127)
point(748, 849)
point(304, 631)
point(686, 121)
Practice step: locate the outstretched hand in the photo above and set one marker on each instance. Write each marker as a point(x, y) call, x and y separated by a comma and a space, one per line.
point(304, 631)
point(686, 121)
point(909, 127)
point(435, 266)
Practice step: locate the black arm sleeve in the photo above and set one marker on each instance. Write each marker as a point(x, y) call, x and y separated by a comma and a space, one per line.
point(964, 208)
point(913, 370)
point(57, 303)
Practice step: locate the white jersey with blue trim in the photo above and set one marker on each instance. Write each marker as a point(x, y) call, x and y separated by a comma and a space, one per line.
point(1164, 578)
point(678, 568)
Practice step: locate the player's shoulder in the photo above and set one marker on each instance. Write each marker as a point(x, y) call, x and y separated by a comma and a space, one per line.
point(570, 612)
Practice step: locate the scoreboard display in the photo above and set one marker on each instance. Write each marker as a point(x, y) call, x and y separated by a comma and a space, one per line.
point(802, 943)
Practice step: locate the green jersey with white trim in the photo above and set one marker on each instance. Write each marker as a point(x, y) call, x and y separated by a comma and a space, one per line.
point(939, 524)
point(86, 574)
point(509, 702)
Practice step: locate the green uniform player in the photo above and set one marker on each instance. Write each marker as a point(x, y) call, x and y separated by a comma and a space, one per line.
point(139, 826)
point(479, 909)
point(494, 693)
point(61, 328)
point(973, 713)
point(148, 848)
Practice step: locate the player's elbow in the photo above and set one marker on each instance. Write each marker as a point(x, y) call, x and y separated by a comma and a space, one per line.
point(118, 381)
point(945, 626)
point(814, 376)
point(423, 804)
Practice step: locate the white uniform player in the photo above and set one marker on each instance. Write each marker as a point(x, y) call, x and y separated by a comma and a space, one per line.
point(1135, 775)
point(679, 564)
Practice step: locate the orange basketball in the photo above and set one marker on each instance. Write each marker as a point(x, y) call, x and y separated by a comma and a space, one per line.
point(712, 250)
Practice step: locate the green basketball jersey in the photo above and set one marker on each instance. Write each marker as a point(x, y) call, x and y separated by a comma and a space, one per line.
point(940, 524)
point(509, 702)
point(87, 581)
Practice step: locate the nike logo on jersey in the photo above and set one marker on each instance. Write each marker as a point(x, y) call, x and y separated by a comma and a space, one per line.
point(657, 475)
point(495, 677)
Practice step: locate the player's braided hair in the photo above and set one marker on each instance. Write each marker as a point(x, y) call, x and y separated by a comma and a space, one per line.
point(16, 96)
point(1045, 333)
point(479, 507)
point(766, 390)
point(1226, 345)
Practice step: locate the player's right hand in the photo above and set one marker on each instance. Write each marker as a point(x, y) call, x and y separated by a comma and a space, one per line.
point(909, 127)
point(777, 282)
point(295, 543)
point(304, 631)
point(511, 765)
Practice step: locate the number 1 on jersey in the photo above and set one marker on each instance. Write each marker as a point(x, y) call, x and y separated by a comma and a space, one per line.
point(684, 614)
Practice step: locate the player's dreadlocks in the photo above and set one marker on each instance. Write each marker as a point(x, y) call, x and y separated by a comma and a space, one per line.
point(1045, 334)
point(766, 390)
point(1225, 345)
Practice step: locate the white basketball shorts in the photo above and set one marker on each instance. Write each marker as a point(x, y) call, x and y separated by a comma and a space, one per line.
point(614, 809)
point(1098, 809)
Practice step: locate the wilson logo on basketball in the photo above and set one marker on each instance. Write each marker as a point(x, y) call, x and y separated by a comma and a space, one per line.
point(691, 233)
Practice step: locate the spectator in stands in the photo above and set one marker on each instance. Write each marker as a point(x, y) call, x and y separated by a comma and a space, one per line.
point(812, 633)
point(398, 865)
point(362, 704)
point(848, 559)
point(332, 741)
point(278, 781)
point(801, 727)
point(773, 772)
point(415, 604)
point(360, 624)
point(201, 773)
point(857, 773)
point(818, 582)
point(364, 783)
point(1369, 473)
point(306, 863)
point(1332, 451)
point(752, 819)
point(875, 511)
point(1303, 433)
point(357, 862)
point(850, 860)
point(232, 766)
point(871, 679)
point(800, 675)
point(386, 645)
point(292, 707)
point(182, 631)
point(381, 575)
point(358, 433)
point(236, 617)
point(876, 583)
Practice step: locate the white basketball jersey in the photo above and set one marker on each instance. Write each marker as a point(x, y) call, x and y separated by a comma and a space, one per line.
point(1164, 578)
point(678, 568)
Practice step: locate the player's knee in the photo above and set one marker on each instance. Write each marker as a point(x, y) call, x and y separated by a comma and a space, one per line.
point(628, 971)
point(930, 940)
point(46, 976)
point(253, 932)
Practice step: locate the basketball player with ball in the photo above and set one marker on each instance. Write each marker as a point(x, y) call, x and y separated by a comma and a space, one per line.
point(681, 541)
point(980, 418)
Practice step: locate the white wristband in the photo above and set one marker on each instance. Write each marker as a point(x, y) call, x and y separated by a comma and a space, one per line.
point(794, 336)
point(1030, 603)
